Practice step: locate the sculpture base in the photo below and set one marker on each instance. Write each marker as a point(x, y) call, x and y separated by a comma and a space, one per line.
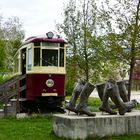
point(73, 126)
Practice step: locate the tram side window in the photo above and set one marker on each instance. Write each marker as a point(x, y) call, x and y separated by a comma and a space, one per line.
point(36, 56)
point(49, 57)
point(61, 57)
point(29, 59)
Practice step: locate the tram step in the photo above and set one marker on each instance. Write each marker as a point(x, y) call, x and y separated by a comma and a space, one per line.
point(8, 105)
point(10, 109)
point(1, 110)
point(20, 99)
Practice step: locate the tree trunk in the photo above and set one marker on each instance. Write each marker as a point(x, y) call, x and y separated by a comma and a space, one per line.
point(130, 77)
point(133, 53)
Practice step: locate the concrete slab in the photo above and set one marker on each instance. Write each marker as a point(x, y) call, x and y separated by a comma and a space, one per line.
point(73, 126)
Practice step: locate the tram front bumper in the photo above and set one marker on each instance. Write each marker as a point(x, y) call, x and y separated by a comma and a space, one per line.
point(49, 94)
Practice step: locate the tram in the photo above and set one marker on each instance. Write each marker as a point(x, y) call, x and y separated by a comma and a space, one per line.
point(43, 61)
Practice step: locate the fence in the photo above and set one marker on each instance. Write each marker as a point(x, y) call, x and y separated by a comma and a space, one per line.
point(12, 88)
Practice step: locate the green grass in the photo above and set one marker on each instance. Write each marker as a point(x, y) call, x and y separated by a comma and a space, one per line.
point(41, 127)
point(12, 129)
point(96, 102)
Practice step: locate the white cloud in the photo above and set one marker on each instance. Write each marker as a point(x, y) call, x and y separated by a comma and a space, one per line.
point(37, 16)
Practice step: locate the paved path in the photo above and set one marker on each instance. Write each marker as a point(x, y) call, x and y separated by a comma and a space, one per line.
point(134, 95)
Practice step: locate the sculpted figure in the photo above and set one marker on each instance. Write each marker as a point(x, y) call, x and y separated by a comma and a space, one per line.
point(111, 90)
point(105, 107)
point(82, 90)
point(122, 91)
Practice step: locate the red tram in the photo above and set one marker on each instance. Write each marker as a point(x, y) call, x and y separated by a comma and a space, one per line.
point(43, 61)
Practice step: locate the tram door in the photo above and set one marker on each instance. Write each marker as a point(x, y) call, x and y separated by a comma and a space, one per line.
point(23, 68)
point(23, 61)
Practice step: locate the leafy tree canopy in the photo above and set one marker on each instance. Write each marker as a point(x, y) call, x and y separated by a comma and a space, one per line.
point(103, 37)
point(11, 36)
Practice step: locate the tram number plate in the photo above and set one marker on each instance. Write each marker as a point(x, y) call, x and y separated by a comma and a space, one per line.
point(49, 94)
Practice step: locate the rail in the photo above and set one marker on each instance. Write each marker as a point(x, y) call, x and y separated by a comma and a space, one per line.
point(12, 88)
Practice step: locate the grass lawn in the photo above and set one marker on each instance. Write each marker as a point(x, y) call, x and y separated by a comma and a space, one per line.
point(41, 128)
point(29, 129)
point(36, 128)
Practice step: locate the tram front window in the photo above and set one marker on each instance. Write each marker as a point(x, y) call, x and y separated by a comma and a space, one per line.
point(49, 57)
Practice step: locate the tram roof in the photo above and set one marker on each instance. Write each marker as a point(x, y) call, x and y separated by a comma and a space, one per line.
point(42, 39)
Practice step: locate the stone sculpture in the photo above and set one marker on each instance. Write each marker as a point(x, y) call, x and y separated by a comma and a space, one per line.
point(105, 107)
point(82, 89)
point(111, 90)
point(116, 91)
point(75, 94)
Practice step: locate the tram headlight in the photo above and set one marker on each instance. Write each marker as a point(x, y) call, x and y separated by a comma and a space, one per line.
point(50, 83)
point(50, 35)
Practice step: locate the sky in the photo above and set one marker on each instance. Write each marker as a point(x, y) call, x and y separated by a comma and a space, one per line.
point(37, 16)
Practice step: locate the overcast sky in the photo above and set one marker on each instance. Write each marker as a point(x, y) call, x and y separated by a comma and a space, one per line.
point(37, 16)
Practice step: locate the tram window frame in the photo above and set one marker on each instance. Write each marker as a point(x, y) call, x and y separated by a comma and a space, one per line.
point(37, 43)
point(62, 45)
point(36, 57)
point(45, 62)
point(30, 59)
point(50, 44)
point(61, 57)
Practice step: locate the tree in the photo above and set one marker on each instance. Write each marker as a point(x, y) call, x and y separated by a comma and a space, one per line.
point(2, 56)
point(134, 41)
point(103, 38)
point(125, 20)
point(11, 35)
point(80, 30)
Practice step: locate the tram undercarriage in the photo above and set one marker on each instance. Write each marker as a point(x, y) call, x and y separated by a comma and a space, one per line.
point(43, 105)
